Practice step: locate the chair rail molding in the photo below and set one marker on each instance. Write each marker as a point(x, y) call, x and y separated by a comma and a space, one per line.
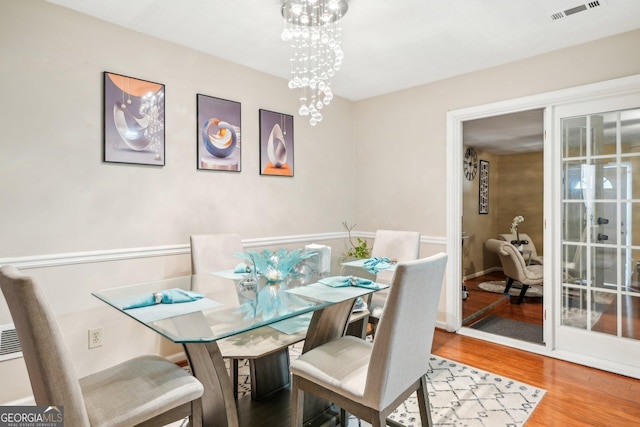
point(87, 257)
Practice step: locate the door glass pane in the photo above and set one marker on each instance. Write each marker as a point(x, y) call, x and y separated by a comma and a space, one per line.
point(631, 316)
point(627, 267)
point(603, 134)
point(574, 307)
point(603, 312)
point(574, 264)
point(627, 229)
point(574, 137)
point(631, 176)
point(604, 263)
point(605, 179)
point(604, 223)
point(573, 182)
point(574, 215)
point(630, 131)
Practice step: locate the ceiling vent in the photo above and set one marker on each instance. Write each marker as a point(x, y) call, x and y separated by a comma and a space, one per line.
point(9, 343)
point(577, 9)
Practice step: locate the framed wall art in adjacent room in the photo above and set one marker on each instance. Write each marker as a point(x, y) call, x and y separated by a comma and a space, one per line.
point(218, 134)
point(483, 200)
point(133, 121)
point(276, 143)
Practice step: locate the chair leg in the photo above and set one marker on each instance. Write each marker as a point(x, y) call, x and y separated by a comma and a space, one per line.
point(423, 403)
point(509, 283)
point(522, 292)
point(234, 370)
point(195, 420)
point(297, 403)
point(344, 418)
point(380, 420)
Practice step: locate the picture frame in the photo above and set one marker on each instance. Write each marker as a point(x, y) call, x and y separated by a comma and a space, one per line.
point(218, 134)
point(133, 120)
point(276, 143)
point(483, 196)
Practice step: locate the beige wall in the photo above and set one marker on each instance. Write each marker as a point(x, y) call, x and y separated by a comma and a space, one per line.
point(521, 193)
point(480, 227)
point(516, 188)
point(379, 162)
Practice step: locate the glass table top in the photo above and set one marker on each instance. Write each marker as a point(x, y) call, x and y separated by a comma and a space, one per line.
point(228, 306)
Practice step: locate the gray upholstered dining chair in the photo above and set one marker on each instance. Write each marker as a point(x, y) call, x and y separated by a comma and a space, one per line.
point(515, 267)
point(393, 244)
point(370, 380)
point(215, 252)
point(533, 256)
point(147, 390)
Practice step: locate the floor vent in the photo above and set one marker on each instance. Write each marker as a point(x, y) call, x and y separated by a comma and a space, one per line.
point(576, 9)
point(9, 343)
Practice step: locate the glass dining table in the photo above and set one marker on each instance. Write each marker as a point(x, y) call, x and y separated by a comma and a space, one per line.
point(225, 307)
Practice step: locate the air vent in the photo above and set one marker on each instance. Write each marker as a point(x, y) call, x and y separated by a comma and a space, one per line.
point(576, 9)
point(9, 343)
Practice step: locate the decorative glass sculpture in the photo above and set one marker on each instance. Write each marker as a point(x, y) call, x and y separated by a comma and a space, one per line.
point(275, 266)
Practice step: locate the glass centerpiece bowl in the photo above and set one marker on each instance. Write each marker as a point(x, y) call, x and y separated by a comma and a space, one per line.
point(275, 266)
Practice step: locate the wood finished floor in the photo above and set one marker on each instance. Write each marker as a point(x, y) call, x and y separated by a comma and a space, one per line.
point(576, 395)
point(529, 311)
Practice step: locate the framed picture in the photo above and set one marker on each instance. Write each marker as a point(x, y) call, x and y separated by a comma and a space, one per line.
point(133, 120)
point(218, 134)
point(276, 143)
point(483, 200)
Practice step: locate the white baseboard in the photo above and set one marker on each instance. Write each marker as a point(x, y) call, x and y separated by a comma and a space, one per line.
point(482, 273)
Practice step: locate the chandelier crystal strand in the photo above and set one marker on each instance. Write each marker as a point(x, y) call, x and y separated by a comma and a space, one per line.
point(312, 27)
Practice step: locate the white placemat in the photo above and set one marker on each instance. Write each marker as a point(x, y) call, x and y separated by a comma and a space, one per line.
point(229, 274)
point(293, 325)
point(327, 293)
point(163, 311)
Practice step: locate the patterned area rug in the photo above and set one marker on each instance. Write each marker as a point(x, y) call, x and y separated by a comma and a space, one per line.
point(460, 395)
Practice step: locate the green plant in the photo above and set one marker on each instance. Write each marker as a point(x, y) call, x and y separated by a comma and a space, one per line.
point(361, 250)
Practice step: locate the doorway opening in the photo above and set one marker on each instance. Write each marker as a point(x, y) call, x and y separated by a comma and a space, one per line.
point(507, 189)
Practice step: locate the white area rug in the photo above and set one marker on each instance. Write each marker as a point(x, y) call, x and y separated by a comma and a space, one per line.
point(459, 395)
point(497, 286)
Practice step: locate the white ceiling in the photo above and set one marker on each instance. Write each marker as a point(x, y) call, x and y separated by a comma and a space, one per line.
point(513, 133)
point(388, 45)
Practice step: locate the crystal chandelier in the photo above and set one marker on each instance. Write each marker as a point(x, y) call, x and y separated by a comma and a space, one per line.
point(313, 29)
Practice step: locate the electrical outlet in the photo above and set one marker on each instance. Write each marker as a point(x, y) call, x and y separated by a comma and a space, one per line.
point(95, 337)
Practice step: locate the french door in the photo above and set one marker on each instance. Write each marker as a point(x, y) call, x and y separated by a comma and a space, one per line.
point(599, 296)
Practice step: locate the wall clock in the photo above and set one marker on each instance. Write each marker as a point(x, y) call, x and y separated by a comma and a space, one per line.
point(470, 163)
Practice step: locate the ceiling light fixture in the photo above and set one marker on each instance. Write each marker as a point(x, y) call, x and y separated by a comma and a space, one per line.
point(314, 31)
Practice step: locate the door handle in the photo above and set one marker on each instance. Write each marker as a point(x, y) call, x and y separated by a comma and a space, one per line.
point(602, 237)
point(602, 221)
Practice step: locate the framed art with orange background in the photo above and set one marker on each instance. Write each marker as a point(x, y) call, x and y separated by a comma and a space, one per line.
point(276, 143)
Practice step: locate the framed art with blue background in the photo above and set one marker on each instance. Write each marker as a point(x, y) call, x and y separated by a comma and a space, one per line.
point(218, 134)
point(276, 143)
point(133, 120)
